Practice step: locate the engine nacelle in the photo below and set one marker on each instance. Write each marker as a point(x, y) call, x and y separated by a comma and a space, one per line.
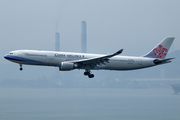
point(66, 66)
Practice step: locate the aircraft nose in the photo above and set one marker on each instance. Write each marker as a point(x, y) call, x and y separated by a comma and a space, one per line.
point(6, 56)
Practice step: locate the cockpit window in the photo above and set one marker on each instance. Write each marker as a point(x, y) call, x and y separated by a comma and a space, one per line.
point(11, 53)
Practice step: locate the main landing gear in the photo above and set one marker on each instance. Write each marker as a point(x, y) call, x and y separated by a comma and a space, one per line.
point(88, 72)
point(20, 68)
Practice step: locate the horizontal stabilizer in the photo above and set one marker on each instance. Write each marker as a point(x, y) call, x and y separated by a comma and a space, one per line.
point(162, 61)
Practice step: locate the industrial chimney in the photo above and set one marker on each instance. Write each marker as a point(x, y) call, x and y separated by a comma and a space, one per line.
point(83, 37)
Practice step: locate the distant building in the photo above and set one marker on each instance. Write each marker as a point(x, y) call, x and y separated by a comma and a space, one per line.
point(57, 42)
point(83, 37)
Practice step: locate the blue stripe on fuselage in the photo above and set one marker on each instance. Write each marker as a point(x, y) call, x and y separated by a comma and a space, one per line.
point(20, 59)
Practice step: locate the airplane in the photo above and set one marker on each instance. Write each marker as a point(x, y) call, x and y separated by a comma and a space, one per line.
point(67, 61)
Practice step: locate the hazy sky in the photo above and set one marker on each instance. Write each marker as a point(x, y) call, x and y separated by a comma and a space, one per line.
point(134, 25)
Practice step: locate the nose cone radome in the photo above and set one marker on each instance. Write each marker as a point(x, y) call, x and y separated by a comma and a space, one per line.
point(9, 57)
point(6, 56)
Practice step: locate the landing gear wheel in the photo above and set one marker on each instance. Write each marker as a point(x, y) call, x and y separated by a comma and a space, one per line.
point(91, 75)
point(20, 68)
point(86, 73)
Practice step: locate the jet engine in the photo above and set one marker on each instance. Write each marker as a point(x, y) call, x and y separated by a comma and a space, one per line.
point(66, 66)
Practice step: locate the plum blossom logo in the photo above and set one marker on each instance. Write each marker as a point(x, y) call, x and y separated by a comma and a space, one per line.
point(160, 51)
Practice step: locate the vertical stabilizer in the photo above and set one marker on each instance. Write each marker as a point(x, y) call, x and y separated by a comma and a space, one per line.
point(161, 50)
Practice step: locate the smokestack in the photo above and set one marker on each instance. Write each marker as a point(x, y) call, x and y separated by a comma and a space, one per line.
point(57, 43)
point(83, 37)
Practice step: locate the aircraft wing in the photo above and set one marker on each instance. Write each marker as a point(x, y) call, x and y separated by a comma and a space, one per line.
point(93, 62)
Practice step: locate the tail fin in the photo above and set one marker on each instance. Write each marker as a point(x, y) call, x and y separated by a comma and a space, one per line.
point(161, 50)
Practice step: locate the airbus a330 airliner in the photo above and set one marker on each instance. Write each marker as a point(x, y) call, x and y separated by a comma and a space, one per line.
point(67, 61)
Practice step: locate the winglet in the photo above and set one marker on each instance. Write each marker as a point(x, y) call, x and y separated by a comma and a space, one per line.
point(119, 52)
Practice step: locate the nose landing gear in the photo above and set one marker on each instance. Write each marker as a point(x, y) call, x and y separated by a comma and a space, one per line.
point(20, 68)
point(88, 73)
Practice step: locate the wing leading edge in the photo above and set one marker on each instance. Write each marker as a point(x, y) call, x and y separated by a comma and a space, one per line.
point(93, 62)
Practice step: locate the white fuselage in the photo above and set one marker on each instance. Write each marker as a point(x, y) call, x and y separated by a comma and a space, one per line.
point(68, 60)
point(54, 58)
